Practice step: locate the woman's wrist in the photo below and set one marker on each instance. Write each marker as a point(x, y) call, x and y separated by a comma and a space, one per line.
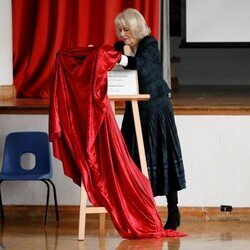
point(124, 61)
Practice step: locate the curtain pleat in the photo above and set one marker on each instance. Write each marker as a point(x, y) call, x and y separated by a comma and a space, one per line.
point(42, 27)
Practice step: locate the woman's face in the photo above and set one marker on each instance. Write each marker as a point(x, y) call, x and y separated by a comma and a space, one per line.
point(127, 37)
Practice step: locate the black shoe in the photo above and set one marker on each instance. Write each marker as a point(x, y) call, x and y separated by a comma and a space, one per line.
point(173, 220)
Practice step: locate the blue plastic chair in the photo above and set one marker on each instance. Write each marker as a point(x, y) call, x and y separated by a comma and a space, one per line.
point(36, 143)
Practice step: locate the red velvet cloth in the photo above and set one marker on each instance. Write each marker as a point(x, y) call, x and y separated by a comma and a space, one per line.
point(87, 139)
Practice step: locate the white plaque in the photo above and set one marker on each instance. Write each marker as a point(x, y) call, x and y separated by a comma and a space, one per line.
point(122, 81)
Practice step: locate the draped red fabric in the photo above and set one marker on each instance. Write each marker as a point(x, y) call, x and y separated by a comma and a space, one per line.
point(42, 27)
point(87, 139)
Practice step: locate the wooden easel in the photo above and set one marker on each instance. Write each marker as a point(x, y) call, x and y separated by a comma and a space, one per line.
point(84, 209)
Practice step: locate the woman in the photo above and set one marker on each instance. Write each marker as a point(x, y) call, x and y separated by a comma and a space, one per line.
point(163, 153)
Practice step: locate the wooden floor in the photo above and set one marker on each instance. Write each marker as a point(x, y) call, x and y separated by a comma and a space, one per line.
point(211, 100)
point(187, 100)
point(21, 233)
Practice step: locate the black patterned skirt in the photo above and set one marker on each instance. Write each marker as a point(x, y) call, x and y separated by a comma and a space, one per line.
point(162, 146)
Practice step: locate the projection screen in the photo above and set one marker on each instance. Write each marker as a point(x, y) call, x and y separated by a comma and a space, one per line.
point(216, 22)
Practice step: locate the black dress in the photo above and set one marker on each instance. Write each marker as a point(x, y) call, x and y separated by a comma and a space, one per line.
point(162, 146)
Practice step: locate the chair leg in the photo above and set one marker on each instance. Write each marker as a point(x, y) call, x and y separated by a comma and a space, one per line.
point(55, 199)
point(47, 203)
point(1, 203)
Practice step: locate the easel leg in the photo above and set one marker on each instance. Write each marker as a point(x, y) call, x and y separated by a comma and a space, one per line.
point(139, 137)
point(82, 214)
point(112, 104)
point(102, 223)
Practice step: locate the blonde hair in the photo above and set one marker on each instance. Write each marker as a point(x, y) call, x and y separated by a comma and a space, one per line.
point(135, 21)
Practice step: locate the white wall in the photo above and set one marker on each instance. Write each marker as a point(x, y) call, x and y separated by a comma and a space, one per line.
point(215, 151)
point(34, 192)
point(216, 155)
point(6, 64)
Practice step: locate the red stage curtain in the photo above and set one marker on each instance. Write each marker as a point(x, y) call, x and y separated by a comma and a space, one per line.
point(43, 27)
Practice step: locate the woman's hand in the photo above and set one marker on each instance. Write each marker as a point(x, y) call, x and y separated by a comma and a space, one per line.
point(127, 50)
